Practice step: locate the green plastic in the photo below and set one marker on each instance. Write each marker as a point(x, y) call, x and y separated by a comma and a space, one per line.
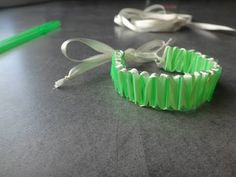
point(28, 35)
point(179, 92)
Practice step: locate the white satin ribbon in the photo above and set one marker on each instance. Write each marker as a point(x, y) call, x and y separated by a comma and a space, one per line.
point(155, 19)
point(151, 51)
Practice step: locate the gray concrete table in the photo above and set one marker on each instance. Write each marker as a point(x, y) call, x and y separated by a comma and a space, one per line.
point(86, 129)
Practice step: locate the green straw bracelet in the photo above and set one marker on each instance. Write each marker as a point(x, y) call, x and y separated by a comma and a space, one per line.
point(179, 92)
point(194, 84)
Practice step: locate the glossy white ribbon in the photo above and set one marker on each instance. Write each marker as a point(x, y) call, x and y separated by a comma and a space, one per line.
point(151, 51)
point(155, 19)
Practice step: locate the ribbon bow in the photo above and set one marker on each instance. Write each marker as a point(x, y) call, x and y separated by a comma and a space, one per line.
point(150, 51)
point(155, 19)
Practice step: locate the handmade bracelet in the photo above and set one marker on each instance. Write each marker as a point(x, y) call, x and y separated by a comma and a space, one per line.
point(178, 92)
point(183, 92)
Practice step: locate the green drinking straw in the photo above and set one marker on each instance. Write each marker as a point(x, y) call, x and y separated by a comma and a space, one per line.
point(28, 35)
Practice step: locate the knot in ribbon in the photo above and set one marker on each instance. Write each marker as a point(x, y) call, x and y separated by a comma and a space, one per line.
point(150, 51)
point(155, 19)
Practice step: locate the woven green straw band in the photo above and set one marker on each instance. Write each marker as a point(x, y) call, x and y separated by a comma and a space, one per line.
point(179, 92)
point(194, 84)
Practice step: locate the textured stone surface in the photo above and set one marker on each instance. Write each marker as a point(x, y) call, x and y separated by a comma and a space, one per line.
point(86, 128)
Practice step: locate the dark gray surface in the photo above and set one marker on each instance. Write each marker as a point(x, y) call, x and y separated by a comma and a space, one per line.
point(86, 129)
point(13, 3)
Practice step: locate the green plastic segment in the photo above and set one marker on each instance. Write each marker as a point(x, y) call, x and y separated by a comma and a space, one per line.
point(28, 35)
point(180, 92)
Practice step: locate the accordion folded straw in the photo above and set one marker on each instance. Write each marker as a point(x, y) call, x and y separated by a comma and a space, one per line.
point(179, 92)
point(182, 92)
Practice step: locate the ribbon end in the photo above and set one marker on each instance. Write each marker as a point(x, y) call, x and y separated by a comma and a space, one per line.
point(59, 83)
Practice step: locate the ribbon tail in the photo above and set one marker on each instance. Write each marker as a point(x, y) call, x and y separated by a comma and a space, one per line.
point(211, 27)
point(86, 65)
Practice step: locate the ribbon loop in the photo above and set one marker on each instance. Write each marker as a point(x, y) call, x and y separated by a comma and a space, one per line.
point(156, 8)
point(96, 45)
point(145, 53)
point(155, 19)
